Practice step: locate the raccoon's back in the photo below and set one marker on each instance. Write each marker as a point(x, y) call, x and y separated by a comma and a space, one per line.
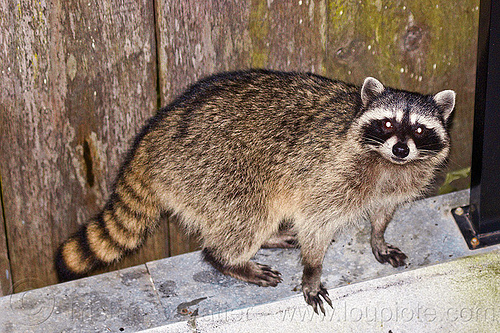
point(257, 116)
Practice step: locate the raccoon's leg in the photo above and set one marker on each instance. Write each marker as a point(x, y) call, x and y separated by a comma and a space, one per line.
point(313, 245)
point(121, 227)
point(249, 271)
point(229, 246)
point(384, 252)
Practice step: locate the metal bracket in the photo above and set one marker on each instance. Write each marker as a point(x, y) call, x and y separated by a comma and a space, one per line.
point(474, 240)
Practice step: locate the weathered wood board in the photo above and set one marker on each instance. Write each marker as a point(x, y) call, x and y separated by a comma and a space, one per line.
point(5, 272)
point(196, 39)
point(78, 80)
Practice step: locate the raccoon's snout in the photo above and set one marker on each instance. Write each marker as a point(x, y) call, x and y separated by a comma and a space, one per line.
point(400, 150)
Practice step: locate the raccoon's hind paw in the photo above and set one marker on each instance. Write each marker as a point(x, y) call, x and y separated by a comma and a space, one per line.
point(261, 275)
point(253, 272)
point(250, 271)
point(313, 298)
point(391, 255)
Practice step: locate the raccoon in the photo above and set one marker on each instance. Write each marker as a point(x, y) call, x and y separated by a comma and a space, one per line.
point(264, 158)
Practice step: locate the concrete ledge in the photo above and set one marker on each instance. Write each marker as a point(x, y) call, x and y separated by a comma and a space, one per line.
point(186, 292)
point(118, 301)
point(460, 296)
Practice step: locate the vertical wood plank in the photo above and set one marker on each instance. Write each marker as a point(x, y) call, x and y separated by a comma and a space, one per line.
point(199, 38)
point(78, 81)
point(297, 35)
point(288, 35)
point(5, 271)
point(196, 39)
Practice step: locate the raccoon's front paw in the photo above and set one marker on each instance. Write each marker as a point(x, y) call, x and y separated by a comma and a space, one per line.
point(284, 241)
point(390, 254)
point(312, 297)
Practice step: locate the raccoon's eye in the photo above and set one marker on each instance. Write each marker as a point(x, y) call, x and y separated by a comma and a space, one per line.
point(419, 131)
point(388, 125)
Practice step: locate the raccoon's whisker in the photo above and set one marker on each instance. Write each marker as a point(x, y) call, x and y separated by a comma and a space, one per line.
point(431, 151)
point(425, 152)
point(370, 139)
point(428, 145)
point(374, 138)
point(454, 163)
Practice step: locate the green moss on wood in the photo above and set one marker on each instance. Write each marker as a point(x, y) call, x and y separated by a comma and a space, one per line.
point(258, 27)
point(379, 27)
point(452, 26)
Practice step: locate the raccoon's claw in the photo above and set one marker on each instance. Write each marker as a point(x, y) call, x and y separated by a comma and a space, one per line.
point(315, 300)
point(391, 255)
point(265, 276)
point(251, 272)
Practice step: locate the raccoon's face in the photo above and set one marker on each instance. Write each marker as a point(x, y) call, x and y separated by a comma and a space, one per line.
point(403, 126)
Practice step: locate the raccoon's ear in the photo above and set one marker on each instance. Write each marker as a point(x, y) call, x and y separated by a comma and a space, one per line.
point(446, 100)
point(371, 88)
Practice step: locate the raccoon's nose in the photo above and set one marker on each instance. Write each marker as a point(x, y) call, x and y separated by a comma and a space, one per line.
point(400, 150)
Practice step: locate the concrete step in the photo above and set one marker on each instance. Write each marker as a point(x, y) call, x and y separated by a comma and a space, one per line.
point(458, 296)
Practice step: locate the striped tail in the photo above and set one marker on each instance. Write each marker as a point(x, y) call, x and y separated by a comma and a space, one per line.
point(130, 214)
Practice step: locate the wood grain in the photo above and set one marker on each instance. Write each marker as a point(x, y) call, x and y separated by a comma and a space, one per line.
point(296, 39)
point(199, 38)
point(78, 81)
point(196, 39)
point(5, 271)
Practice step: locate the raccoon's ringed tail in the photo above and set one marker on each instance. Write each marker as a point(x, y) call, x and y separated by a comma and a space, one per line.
point(73, 258)
point(120, 228)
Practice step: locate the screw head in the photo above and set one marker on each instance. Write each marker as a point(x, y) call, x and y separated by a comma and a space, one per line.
point(474, 242)
point(459, 211)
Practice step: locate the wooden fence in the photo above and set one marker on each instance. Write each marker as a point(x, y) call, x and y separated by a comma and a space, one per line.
point(79, 78)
